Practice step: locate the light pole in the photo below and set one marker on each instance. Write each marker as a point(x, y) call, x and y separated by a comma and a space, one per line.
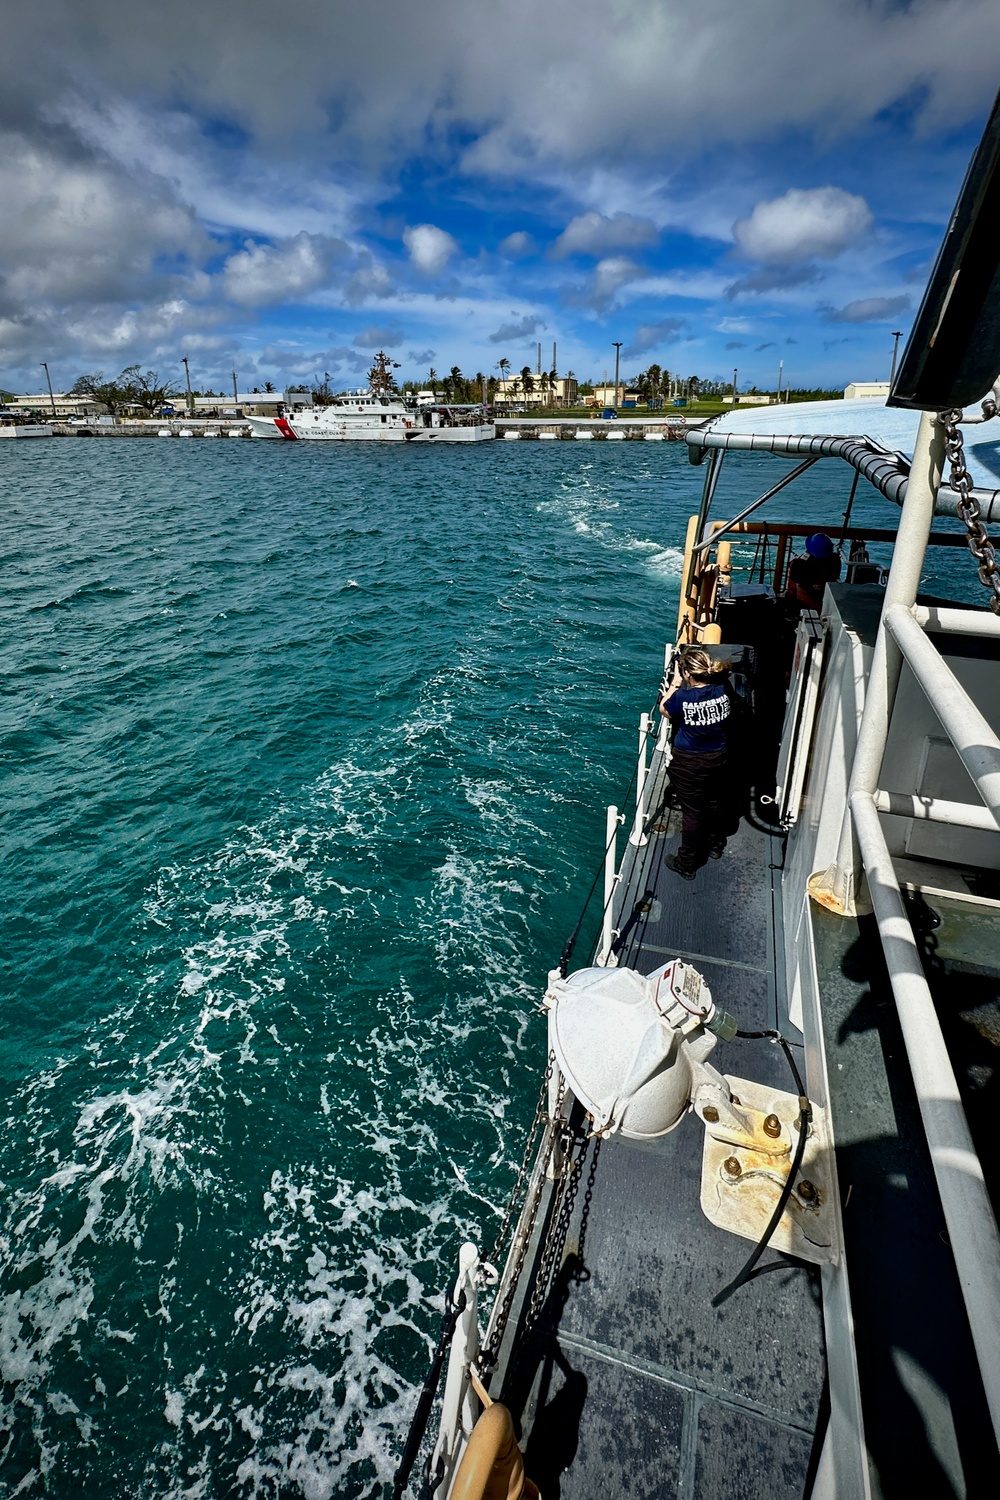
point(187, 382)
point(895, 349)
point(781, 371)
point(735, 373)
point(236, 391)
point(48, 377)
point(618, 350)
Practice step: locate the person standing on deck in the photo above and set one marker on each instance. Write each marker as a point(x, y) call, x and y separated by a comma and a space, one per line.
point(808, 576)
point(700, 708)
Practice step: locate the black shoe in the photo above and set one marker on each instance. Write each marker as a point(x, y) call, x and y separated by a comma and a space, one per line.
point(671, 863)
point(717, 850)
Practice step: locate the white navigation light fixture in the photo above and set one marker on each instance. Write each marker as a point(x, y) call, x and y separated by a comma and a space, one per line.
point(633, 1049)
point(952, 357)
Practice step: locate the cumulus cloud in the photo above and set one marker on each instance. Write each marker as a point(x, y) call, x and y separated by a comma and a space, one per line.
point(430, 248)
point(654, 335)
point(78, 230)
point(517, 245)
point(868, 310)
point(736, 344)
point(606, 280)
point(512, 333)
point(268, 274)
point(421, 356)
point(773, 280)
point(369, 280)
point(384, 336)
point(595, 234)
point(801, 225)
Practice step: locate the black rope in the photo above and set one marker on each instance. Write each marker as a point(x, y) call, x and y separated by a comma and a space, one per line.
point(805, 1118)
point(418, 1426)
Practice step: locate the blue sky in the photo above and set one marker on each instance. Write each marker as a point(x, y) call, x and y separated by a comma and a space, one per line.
point(284, 190)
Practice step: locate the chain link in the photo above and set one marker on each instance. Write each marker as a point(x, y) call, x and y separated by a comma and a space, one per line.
point(526, 1225)
point(978, 538)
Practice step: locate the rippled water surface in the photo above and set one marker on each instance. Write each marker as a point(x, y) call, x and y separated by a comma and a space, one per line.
point(305, 752)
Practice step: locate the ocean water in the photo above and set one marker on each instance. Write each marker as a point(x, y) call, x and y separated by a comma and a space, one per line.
point(305, 752)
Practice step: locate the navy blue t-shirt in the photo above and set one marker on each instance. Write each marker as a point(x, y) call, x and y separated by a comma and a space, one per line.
point(700, 716)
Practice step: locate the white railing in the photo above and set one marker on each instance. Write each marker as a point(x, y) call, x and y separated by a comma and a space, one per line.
point(968, 1211)
point(460, 1406)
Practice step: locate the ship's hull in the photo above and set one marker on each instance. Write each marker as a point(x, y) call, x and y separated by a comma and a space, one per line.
point(353, 430)
point(29, 430)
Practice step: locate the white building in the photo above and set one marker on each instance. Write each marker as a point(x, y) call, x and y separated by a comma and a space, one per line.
point(562, 392)
point(866, 388)
point(65, 406)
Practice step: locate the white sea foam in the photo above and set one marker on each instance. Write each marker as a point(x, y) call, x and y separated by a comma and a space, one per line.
point(349, 1256)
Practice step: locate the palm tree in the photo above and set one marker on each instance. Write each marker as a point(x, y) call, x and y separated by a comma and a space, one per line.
point(503, 365)
point(432, 378)
point(457, 382)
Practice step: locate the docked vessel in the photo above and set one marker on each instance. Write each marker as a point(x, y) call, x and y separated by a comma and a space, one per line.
point(380, 415)
point(838, 1133)
point(14, 424)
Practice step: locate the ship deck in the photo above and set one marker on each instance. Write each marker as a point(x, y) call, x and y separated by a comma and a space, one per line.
point(632, 1382)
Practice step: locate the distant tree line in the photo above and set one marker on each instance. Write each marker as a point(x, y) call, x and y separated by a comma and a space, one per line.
point(131, 389)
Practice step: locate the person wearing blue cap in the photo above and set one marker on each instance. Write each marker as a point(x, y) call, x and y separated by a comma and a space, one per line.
point(808, 576)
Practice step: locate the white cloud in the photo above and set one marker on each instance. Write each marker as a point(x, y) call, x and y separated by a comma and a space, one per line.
point(383, 336)
point(430, 248)
point(654, 335)
point(593, 233)
point(609, 276)
point(801, 224)
point(869, 310)
point(509, 333)
point(271, 274)
point(517, 245)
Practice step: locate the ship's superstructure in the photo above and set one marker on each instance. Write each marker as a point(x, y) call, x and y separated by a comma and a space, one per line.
point(753, 1246)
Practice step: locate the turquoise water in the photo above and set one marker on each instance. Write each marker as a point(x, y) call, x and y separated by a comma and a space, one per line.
point(305, 756)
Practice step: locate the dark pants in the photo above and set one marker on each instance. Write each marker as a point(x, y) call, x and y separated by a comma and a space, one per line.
point(702, 788)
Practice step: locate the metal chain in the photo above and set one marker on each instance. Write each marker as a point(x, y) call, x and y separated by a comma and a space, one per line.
point(978, 537)
point(551, 1257)
point(491, 1349)
point(493, 1258)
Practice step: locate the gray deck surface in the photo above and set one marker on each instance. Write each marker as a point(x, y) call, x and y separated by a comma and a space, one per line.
point(926, 1422)
point(638, 1386)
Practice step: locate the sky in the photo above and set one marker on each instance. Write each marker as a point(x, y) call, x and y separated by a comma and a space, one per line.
point(282, 190)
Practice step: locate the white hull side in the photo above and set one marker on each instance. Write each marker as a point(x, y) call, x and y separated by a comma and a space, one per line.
point(36, 431)
point(485, 433)
point(351, 431)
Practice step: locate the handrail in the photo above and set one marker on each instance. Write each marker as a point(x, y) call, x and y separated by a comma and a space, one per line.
point(886, 471)
point(968, 1213)
point(973, 738)
point(775, 489)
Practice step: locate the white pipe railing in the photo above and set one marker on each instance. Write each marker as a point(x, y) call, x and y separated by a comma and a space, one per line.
point(935, 810)
point(637, 837)
point(459, 1407)
point(973, 738)
point(880, 690)
point(610, 881)
point(968, 1213)
point(939, 618)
